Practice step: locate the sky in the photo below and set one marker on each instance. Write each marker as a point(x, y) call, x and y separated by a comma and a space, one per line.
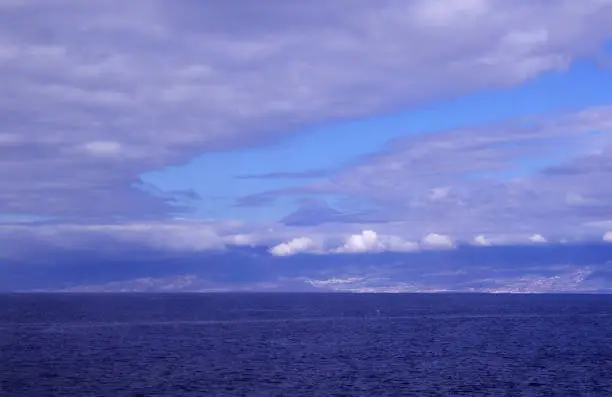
point(353, 145)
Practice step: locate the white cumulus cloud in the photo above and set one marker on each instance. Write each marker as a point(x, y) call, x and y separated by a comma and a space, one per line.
point(608, 237)
point(367, 241)
point(434, 240)
point(295, 246)
point(481, 240)
point(370, 241)
point(538, 238)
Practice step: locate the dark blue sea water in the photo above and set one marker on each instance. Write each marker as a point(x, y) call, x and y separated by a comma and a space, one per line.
point(305, 345)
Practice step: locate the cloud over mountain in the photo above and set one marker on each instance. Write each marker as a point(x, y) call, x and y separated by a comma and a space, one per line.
point(99, 95)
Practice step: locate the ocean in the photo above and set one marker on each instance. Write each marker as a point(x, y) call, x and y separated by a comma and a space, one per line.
point(305, 344)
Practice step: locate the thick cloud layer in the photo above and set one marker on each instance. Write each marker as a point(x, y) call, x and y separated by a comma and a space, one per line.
point(96, 92)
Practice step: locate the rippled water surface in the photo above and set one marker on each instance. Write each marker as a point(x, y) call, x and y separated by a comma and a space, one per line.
point(305, 345)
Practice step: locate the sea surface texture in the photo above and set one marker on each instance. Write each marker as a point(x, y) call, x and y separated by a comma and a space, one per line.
point(305, 345)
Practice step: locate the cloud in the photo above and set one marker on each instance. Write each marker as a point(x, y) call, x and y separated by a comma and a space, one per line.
point(179, 235)
point(607, 237)
point(398, 244)
point(95, 93)
point(484, 179)
point(241, 239)
point(434, 240)
point(103, 148)
point(538, 238)
point(295, 246)
point(24, 241)
point(481, 240)
point(370, 241)
point(173, 236)
point(367, 241)
point(70, 258)
point(319, 173)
